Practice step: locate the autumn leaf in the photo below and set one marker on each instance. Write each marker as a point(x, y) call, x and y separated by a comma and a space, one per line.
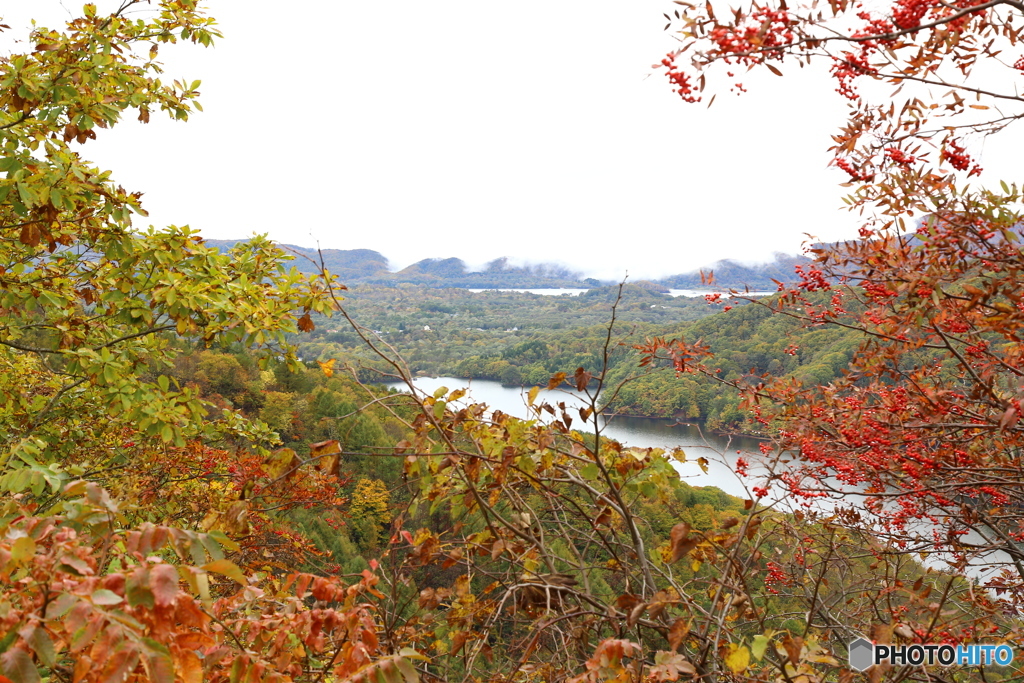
point(327, 367)
point(228, 569)
point(679, 630)
point(163, 582)
point(737, 658)
point(680, 541)
point(30, 235)
point(793, 647)
point(669, 665)
point(16, 664)
point(282, 461)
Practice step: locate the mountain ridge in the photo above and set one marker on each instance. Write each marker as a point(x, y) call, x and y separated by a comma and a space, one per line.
point(367, 266)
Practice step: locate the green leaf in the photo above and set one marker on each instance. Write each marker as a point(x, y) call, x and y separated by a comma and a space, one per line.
point(61, 606)
point(158, 662)
point(137, 592)
point(223, 540)
point(759, 645)
point(41, 643)
point(106, 597)
point(8, 640)
point(408, 671)
point(591, 471)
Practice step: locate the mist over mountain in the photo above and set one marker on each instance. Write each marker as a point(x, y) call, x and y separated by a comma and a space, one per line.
point(355, 266)
point(729, 274)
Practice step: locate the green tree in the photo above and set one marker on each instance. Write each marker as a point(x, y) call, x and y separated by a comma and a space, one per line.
point(92, 314)
point(91, 304)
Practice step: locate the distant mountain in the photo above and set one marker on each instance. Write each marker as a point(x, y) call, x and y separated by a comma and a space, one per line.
point(728, 274)
point(433, 268)
point(354, 266)
point(347, 264)
point(498, 274)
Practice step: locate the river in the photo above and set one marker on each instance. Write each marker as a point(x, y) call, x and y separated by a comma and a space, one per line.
point(641, 432)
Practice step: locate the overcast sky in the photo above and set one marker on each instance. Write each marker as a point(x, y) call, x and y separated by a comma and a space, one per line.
point(536, 130)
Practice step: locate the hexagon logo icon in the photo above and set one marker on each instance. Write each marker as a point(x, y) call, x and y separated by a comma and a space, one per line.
point(862, 654)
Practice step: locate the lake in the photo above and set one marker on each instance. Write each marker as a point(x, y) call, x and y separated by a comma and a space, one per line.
point(641, 432)
point(542, 292)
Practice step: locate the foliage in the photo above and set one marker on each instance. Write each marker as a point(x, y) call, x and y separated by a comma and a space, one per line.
point(79, 620)
point(94, 314)
point(453, 332)
point(919, 439)
point(87, 303)
point(508, 549)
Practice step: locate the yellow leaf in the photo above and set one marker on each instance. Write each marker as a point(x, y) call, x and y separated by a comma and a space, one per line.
point(226, 568)
point(738, 658)
point(327, 367)
point(23, 549)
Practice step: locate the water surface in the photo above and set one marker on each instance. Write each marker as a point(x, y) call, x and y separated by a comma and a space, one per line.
point(640, 432)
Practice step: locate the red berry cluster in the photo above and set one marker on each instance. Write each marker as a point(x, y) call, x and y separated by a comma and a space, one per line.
point(899, 156)
point(907, 14)
point(812, 279)
point(683, 87)
point(958, 158)
point(1019, 64)
point(856, 175)
point(741, 466)
point(764, 29)
point(776, 577)
point(851, 65)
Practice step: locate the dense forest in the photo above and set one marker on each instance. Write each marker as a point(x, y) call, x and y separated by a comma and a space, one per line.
point(202, 477)
point(522, 339)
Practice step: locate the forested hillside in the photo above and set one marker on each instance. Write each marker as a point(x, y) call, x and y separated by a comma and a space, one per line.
point(524, 339)
point(434, 330)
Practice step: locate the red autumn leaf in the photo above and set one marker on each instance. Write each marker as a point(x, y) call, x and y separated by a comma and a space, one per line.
point(163, 581)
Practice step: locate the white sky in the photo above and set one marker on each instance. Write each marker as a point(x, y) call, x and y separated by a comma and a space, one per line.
point(535, 130)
